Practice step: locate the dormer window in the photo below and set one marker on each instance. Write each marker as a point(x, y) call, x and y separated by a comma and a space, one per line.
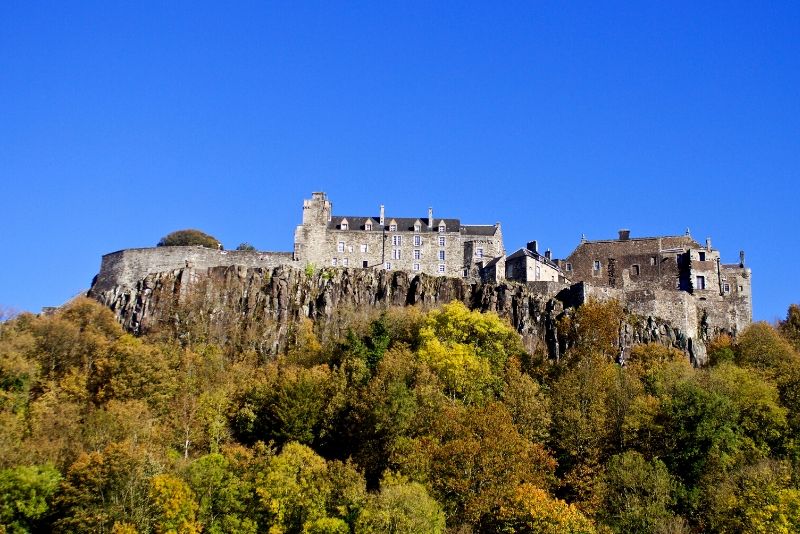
point(345, 225)
point(392, 225)
point(417, 227)
point(442, 228)
point(368, 226)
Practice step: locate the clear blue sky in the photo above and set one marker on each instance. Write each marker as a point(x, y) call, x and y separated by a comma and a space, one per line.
point(120, 122)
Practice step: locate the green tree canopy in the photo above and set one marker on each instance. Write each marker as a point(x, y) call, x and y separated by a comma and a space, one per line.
point(189, 237)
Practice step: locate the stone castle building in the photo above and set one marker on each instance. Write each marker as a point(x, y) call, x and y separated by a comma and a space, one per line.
point(671, 278)
point(435, 246)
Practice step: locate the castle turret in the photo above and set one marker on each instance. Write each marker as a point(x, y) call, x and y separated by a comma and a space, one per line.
point(317, 210)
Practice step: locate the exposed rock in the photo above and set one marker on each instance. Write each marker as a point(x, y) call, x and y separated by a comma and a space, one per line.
point(255, 308)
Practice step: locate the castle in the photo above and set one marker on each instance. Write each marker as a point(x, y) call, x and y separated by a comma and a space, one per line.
point(439, 247)
point(673, 278)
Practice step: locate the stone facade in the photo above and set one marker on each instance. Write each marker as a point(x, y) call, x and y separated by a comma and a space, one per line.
point(672, 277)
point(527, 265)
point(430, 245)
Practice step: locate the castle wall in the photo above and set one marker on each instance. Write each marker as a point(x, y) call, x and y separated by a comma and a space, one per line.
point(126, 267)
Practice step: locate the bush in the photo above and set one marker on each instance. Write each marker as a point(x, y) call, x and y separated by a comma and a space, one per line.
point(245, 246)
point(188, 238)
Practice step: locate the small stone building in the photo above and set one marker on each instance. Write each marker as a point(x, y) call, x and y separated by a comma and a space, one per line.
point(432, 245)
point(527, 265)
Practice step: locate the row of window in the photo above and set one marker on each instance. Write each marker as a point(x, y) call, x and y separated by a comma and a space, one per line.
point(397, 241)
point(416, 267)
point(392, 227)
point(397, 254)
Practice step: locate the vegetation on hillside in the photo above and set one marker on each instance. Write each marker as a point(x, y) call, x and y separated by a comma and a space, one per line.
point(187, 238)
point(417, 422)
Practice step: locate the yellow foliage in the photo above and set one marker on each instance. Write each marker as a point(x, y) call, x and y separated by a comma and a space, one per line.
point(533, 511)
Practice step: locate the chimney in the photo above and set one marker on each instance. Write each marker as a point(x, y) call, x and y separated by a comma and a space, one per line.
point(741, 259)
point(533, 246)
point(708, 244)
point(382, 215)
point(430, 218)
point(624, 235)
point(548, 255)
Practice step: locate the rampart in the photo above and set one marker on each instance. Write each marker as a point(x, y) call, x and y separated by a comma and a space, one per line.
point(127, 267)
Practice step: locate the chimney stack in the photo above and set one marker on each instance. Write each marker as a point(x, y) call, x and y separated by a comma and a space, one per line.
point(430, 219)
point(382, 215)
point(708, 244)
point(533, 246)
point(548, 255)
point(741, 259)
point(624, 234)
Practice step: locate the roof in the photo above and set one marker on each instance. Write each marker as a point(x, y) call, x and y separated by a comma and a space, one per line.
point(406, 224)
point(668, 242)
point(531, 254)
point(479, 229)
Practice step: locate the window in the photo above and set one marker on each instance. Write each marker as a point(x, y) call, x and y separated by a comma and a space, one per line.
point(392, 227)
point(417, 240)
point(702, 256)
point(441, 241)
point(368, 226)
point(345, 262)
point(441, 255)
point(334, 261)
point(741, 288)
point(340, 246)
point(726, 287)
point(538, 272)
point(365, 264)
point(479, 253)
point(441, 267)
point(395, 253)
point(652, 260)
point(349, 248)
point(569, 267)
point(364, 248)
point(635, 270)
point(416, 267)
point(596, 266)
point(417, 254)
point(397, 240)
point(417, 227)
point(388, 266)
point(345, 226)
point(700, 282)
point(442, 228)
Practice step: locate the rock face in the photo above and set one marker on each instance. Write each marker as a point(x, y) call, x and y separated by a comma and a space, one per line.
point(255, 308)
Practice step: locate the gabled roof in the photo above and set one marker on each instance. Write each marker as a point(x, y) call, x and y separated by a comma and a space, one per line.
point(479, 229)
point(523, 252)
point(404, 224)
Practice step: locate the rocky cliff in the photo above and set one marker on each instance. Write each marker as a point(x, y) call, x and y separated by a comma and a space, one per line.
point(256, 308)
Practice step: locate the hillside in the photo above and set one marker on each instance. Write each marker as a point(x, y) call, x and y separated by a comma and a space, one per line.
point(232, 411)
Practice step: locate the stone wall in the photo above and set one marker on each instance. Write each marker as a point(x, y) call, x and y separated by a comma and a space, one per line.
point(127, 267)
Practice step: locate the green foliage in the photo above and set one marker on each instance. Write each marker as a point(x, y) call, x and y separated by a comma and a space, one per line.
point(245, 246)
point(187, 238)
point(401, 506)
point(637, 494)
point(403, 421)
point(25, 496)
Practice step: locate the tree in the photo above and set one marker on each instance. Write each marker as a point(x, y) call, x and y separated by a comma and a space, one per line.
point(26, 493)
point(401, 507)
point(761, 346)
point(245, 246)
point(637, 494)
point(189, 237)
point(790, 328)
point(533, 511)
point(175, 506)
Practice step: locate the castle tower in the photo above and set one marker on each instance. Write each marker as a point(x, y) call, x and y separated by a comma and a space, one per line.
point(317, 210)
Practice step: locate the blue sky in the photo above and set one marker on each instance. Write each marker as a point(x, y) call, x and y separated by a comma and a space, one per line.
point(120, 122)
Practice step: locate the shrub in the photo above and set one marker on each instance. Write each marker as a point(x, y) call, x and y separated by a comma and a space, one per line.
point(245, 246)
point(187, 238)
